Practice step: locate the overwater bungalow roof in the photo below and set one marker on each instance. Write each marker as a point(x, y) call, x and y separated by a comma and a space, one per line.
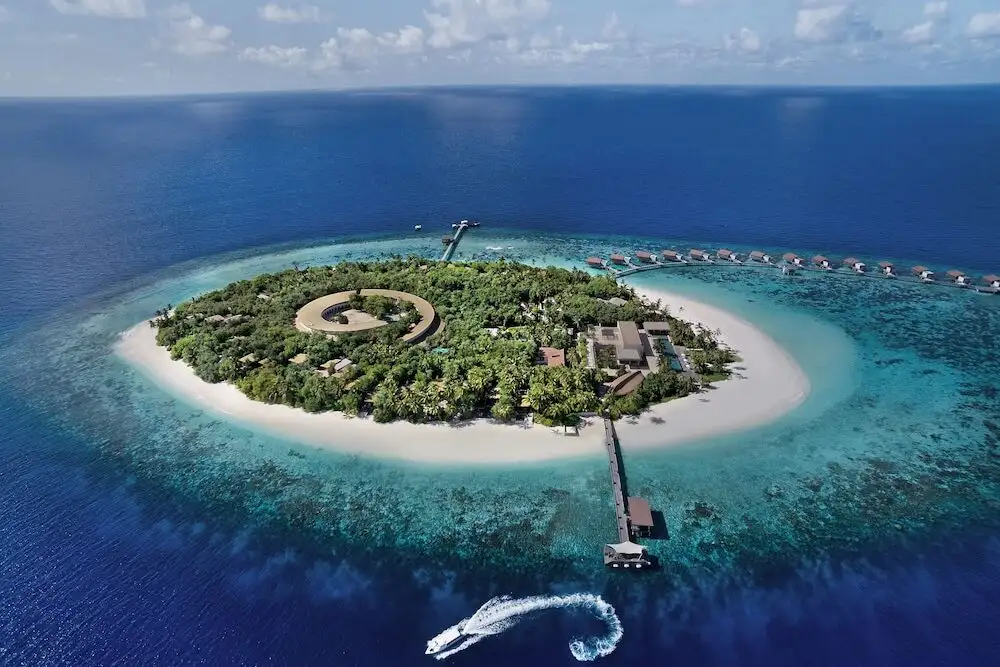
point(851, 261)
point(595, 261)
point(725, 253)
point(955, 273)
point(992, 278)
point(757, 254)
point(671, 254)
point(886, 265)
point(642, 254)
point(789, 256)
point(696, 251)
point(819, 259)
point(919, 269)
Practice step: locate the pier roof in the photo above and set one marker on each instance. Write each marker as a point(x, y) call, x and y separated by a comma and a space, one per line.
point(639, 513)
point(628, 548)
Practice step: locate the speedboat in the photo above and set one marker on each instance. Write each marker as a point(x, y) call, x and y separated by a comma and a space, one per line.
point(418, 227)
point(446, 639)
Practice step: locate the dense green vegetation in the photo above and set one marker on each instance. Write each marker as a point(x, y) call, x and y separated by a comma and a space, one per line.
point(482, 360)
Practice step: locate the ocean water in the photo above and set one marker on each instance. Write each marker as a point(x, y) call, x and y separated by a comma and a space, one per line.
point(860, 529)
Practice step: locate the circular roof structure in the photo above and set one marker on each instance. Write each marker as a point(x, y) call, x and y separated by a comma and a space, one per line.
point(315, 316)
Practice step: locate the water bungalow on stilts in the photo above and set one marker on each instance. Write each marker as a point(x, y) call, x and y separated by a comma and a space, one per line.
point(644, 257)
point(993, 281)
point(595, 262)
point(922, 272)
point(822, 262)
point(698, 255)
point(760, 256)
point(959, 278)
point(729, 256)
point(619, 259)
point(888, 269)
point(854, 264)
point(792, 259)
point(672, 256)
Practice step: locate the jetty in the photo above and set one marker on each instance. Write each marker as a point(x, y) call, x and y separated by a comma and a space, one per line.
point(626, 553)
point(451, 242)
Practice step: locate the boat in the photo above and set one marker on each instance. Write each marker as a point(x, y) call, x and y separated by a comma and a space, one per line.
point(418, 227)
point(446, 639)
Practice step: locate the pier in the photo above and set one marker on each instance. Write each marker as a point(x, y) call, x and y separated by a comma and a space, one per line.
point(452, 243)
point(626, 554)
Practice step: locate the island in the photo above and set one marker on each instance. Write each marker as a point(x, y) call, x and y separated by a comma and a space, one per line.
point(407, 339)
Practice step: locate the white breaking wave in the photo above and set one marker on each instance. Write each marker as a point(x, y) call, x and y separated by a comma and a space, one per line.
point(502, 613)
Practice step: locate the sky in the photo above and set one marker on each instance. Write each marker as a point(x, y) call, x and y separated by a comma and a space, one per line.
point(140, 47)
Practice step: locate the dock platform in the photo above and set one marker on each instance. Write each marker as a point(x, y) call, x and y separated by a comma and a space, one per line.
point(626, 553)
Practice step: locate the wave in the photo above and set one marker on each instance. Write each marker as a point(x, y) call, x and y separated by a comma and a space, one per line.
point(502, 613)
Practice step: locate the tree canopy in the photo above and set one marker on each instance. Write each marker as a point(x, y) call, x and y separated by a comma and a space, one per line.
point(482, 359)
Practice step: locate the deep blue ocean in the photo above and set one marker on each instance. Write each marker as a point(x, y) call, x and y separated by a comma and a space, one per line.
point(120, 545)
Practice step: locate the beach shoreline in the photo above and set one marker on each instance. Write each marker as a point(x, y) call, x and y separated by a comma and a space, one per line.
point(766, 384)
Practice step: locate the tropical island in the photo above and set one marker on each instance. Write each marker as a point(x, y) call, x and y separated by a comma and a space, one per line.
point(420, 341)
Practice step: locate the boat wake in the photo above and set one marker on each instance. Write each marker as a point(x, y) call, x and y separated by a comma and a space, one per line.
point(502, 613)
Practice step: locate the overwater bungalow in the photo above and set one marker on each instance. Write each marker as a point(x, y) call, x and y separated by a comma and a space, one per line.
point(595, 262)
point(699, 255)
point(959, 278)
point(992, 280)
point(760, 256)
point(792, 259)
point(822, 262)
point(619, 259)
point(672, 256)
point(922, 272)
point(854, 264)
point(728, 255)
point(888, 269)
point(643, 256)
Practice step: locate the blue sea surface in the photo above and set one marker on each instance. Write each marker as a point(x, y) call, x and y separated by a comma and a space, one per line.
point(860, 529)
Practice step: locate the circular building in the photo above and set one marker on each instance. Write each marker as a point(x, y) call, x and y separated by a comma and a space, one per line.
point(317, 315)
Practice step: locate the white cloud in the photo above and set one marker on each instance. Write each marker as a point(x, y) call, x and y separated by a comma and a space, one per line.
point(126, 9)
point(191, 35)
point(833, 23)
point(463, 22)
point(612, 31)
point(358, 48)
point(984, 25)
point(936, 9)
point(276, 13)
point(921, 33)
point(746, 40)
point(275, 55)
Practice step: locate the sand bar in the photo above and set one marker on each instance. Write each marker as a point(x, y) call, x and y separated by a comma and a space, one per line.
point(767, 385)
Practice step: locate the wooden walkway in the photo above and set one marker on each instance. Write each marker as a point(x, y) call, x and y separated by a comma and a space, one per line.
point(615, 463)
point(449, 252)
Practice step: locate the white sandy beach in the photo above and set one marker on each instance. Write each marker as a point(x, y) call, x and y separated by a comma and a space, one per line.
point(767, 384)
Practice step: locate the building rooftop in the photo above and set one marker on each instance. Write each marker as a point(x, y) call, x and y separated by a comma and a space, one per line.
point(626, 384)
point(617, 301)
point(992, 278)
point(553, 356)
point(656, 327)
point(629, 332)
point(639, 513)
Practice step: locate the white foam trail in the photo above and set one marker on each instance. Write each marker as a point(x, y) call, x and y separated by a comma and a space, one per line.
point(502, 613)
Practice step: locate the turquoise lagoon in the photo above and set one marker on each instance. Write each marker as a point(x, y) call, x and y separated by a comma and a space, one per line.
point(897, 441)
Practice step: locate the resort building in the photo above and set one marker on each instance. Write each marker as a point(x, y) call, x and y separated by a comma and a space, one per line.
point(551, 357)
point(760, 256)
point(792, 259)
point(728, 255)
point(319, 315)
point(923, 273)
point(854, 264)
point(595, 262)
point(699, 255)
point(656, 328)
point(644, 256)
point(631, 345)
point(299, 359)
point(993, 281)
point(624, 385)
point(617, 301)
point(959, 278)
point(640, 517)
point(822, 262)
point(887, 268)
point(672, 256)
point(618, 259)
